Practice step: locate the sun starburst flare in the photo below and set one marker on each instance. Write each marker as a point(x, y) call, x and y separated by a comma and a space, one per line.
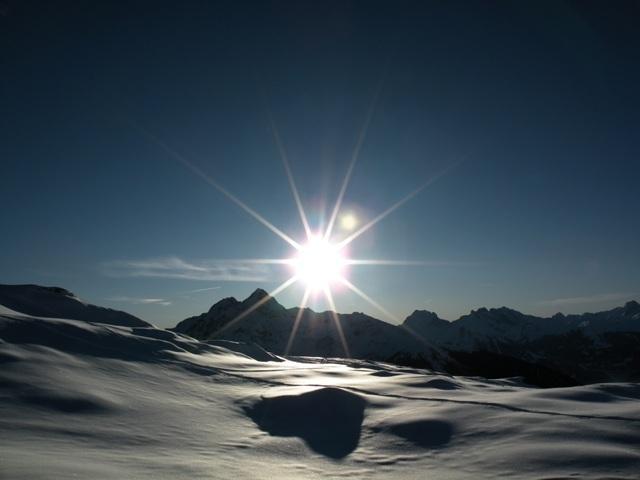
point(318, 262)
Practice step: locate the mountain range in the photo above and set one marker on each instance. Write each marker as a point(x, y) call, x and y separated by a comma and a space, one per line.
point(496, 342)
point(562, 350)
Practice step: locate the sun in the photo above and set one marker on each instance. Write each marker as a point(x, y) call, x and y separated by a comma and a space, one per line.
point(319, 263)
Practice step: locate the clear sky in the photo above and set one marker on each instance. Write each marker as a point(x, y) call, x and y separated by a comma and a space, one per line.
point(532, 109)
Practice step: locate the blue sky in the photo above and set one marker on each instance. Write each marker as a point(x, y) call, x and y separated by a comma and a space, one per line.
point(532, 107)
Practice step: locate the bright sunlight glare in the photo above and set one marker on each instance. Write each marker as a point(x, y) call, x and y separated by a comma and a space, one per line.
point(319, 264)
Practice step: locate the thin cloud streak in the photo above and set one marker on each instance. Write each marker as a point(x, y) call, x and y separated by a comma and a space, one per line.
point(174, 267)
point(141, 301)
point(601, 297)
point(199, 290)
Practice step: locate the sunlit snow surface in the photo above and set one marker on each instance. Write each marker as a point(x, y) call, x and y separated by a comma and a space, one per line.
point(82, 400)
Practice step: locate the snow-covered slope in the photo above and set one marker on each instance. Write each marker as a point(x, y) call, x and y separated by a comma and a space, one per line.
point(84, 400)
point(56, 302)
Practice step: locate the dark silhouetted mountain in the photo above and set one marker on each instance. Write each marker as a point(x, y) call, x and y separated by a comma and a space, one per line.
point(270, 326)
point(499, 328)
point(590, 347)
point(56, 302)
point(560, 350)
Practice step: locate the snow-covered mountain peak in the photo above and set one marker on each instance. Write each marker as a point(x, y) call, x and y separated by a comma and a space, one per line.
point(507, 311)
point(267, 303)
point(224, 304)
point(496, 316)
point(494, 312)
point(56, 290)
point(257, 295)
point(57, 302)
point(632, 308)
point(424, 317)
point(32, 290)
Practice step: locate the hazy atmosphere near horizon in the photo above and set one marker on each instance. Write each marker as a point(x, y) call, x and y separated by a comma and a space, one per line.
point(135, 137)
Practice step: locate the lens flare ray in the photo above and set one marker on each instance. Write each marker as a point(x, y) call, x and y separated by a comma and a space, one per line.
point(336, 320)
point(403, 263)
point(366, 297)
point(197, 171)
point(292, 183)
point(354, 160)
point(419, 337)
point(296, 323)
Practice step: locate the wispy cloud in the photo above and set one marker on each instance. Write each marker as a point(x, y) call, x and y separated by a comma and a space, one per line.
point(174, 267)
point(199, 290)
point(601, 297)
point(141, 301)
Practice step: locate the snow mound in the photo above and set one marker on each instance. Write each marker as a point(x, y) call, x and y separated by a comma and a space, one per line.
point(438, 383)
point(423, 433)
point(250, 350)
point(328, 419)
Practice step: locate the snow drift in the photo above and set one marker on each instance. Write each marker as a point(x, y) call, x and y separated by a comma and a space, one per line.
point(88, 400)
